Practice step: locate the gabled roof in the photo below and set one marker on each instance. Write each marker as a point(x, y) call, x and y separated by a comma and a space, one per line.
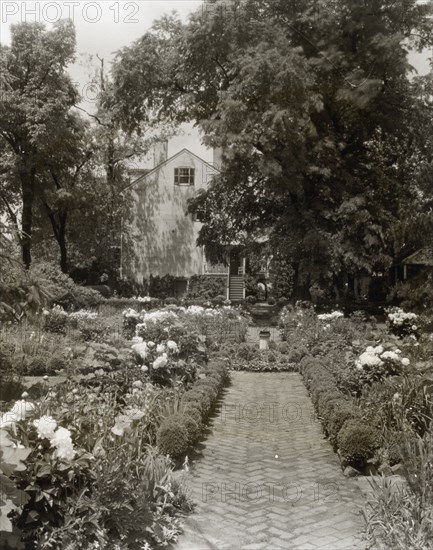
point(161, 164)
point(423, 256)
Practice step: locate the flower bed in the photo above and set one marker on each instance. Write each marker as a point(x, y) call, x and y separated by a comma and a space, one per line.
point(373, 392)
point(245, 357)
point(88, 463)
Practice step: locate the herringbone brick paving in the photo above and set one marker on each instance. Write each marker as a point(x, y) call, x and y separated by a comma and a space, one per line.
point(267, 478)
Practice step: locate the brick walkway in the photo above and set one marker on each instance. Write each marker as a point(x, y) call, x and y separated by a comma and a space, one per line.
point(267, 478)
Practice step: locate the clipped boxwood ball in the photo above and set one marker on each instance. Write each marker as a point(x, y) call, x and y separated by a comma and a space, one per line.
point(172, 438)
point(357, 442)
point(194, 411)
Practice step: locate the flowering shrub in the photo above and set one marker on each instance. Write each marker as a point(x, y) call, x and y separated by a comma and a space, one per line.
point(402, 323)
point(55, 319)
point(249, 358)
point(216, 325)
point(376, 364)
point(162, 362)
point(330, 316)
point(86, 474)
point(86, 322)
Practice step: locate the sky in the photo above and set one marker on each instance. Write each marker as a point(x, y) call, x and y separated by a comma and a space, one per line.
point(105, 26)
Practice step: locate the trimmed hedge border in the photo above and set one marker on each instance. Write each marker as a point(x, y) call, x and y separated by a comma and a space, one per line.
point(341, 418)
point(179, 432)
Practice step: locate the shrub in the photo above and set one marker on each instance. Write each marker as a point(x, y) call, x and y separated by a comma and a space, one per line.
point(211, 387)
point(56, 320)
point(192, 425)
point(62, 289)
point(7, 351)
point(194, 412)
point(251, 300)
point(200, 396)
point(38, 366)
point(394, 447)
point(272, 301)
point(283, 347)
point(246, 352)
point(218, 300)
point(10, 388)
point(357, 442)
point(166, 286)
point(172, 437)
point(272, 358)
point(402, 323)
point(91, 329)
point(56, 362)
point(337, 414)
point(171, 301)
point(415, 293)
point(206, 287)
point(296, 353)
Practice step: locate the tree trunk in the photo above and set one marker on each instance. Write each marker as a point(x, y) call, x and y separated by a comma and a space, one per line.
point(59, 231)
point(27, 177)
point(62, 243)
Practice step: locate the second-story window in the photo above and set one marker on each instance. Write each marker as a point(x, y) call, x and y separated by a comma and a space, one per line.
point(184, 176)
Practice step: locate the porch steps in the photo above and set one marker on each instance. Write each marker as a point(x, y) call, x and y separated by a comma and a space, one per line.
point(236, 288)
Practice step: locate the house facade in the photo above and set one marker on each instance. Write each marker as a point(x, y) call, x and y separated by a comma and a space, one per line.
point(159, 237)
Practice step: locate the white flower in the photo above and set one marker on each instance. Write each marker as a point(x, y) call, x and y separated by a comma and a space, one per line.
point(390, 355)
point(22, 408)
point(45, 426)
point(137, 340)
point(405, 361)
point(160, 361)
point(414, 327)
point(144, 368)
point(130, 313)
point(150, 345)
point(141, 349)
point(160, 348)
point(369, 359)
point(330, 316)
point(8, 420)
point(172, 346)
point(137, 384)
point(143, 299)
point(62, 441)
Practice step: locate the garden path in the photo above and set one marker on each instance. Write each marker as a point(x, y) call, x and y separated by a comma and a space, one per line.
point(267, 478)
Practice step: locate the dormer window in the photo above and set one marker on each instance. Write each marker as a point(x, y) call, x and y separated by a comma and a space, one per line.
point(184, 176)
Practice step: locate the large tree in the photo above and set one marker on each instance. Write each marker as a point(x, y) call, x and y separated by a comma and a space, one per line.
point(313, 105)
point(36, 96)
